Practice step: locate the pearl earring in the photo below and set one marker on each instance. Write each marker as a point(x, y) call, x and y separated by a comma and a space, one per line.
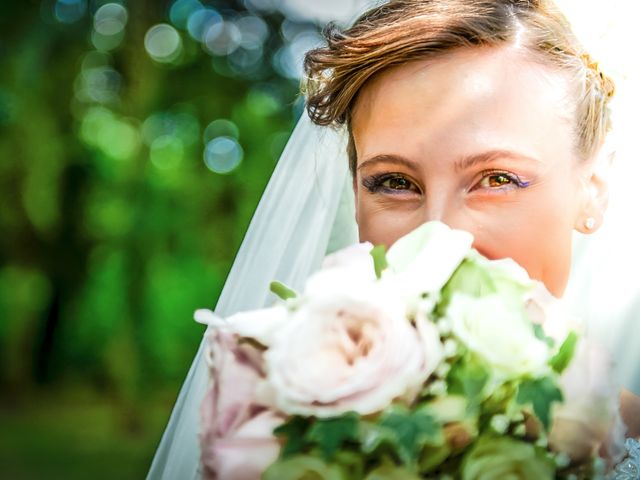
point(589, 223)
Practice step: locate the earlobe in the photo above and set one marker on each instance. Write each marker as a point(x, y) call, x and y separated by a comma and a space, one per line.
point(596, 189)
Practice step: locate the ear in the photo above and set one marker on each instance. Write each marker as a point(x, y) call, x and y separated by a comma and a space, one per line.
point(596, 188)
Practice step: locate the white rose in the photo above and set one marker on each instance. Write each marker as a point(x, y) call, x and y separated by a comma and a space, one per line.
point(424, 260)
point(347, 353)
point(261, 325)
point(504, 270)
point(350, 269)
point(497, 333)
point(354, 256)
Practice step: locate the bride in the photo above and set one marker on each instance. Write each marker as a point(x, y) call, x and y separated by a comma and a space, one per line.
point(486, 115)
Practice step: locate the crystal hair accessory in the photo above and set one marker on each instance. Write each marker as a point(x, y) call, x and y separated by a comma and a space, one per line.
point(608, 88)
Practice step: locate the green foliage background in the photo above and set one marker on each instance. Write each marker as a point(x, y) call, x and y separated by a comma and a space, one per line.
point(111, 239)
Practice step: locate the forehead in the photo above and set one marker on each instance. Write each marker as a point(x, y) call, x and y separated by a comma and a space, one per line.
point(465, 101)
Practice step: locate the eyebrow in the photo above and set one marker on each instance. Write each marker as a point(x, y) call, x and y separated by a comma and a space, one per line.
point(469, 161)
point(463, 163)
point(388, 158)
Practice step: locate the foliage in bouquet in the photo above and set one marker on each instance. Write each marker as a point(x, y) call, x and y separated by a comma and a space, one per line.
point(427, 361)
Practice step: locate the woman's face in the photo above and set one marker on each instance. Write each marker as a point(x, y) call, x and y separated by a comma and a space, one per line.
point(482, 140)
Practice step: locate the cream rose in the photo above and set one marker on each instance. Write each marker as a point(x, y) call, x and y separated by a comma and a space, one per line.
point(424, 260)
point(349, 353)
point(497, 333)
point(504, 457)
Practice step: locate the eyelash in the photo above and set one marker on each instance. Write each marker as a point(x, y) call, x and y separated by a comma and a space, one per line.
point(375, 183)
point(515, 181)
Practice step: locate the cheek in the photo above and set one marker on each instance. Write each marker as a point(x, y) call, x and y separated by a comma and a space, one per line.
point(382, 225)
point(537, 233)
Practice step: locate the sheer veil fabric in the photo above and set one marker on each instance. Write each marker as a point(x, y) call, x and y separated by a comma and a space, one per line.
point(307, 211)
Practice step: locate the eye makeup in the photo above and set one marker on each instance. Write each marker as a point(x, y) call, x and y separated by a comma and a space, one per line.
point(499, 180)
point(390, 183)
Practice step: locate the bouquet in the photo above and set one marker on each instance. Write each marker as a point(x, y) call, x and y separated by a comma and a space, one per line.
point(424, 361)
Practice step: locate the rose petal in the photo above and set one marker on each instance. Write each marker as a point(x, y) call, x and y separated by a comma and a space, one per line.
point(246, 454)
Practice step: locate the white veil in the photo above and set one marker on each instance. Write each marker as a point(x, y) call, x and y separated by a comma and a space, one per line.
point(604, 286)
point(307, 211)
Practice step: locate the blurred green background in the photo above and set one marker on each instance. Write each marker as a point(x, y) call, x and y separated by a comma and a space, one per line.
point(136, 138)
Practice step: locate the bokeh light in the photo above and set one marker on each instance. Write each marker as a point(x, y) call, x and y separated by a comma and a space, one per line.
point(163, 43)
point(105, 43)
point(69, 11)
point(263, 101)
point(266, 6)
point(181, 10)
point(245, 61)
point(223, 154)
point(290, 29)
point(110, 19)
point(254, 30)
point(222, 38)
point(99, 84)
point(340, 11)
point(202, 20)
point(109, 24)
point(220, 128)
point(288, 60)
point(166, 152)
point(116, 137)
point(182, 125)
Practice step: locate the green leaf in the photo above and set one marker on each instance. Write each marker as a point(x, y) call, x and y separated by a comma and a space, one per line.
point(282, 291)
point(433, 457)
point(379, 259)
point(540, 393)
point(560, 361)
point(331, 433)
point(409, 431)
point(293, 431)
point(468, 379)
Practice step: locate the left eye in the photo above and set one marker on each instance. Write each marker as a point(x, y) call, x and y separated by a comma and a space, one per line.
point(496, 180)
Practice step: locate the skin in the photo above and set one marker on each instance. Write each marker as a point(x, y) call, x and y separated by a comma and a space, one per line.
point(424, 122)
point(483, 140)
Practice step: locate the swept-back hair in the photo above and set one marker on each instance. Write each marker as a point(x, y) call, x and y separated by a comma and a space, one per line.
point(402, 31)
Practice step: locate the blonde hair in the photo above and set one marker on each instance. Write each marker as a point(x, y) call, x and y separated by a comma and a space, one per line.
point(402, 31)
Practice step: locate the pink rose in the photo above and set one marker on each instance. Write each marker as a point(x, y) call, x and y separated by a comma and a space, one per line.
point(237, 441)
point(355, 351)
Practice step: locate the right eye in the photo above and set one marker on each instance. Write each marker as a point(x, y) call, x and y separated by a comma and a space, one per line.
point(397, 183)
point(391, 183)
